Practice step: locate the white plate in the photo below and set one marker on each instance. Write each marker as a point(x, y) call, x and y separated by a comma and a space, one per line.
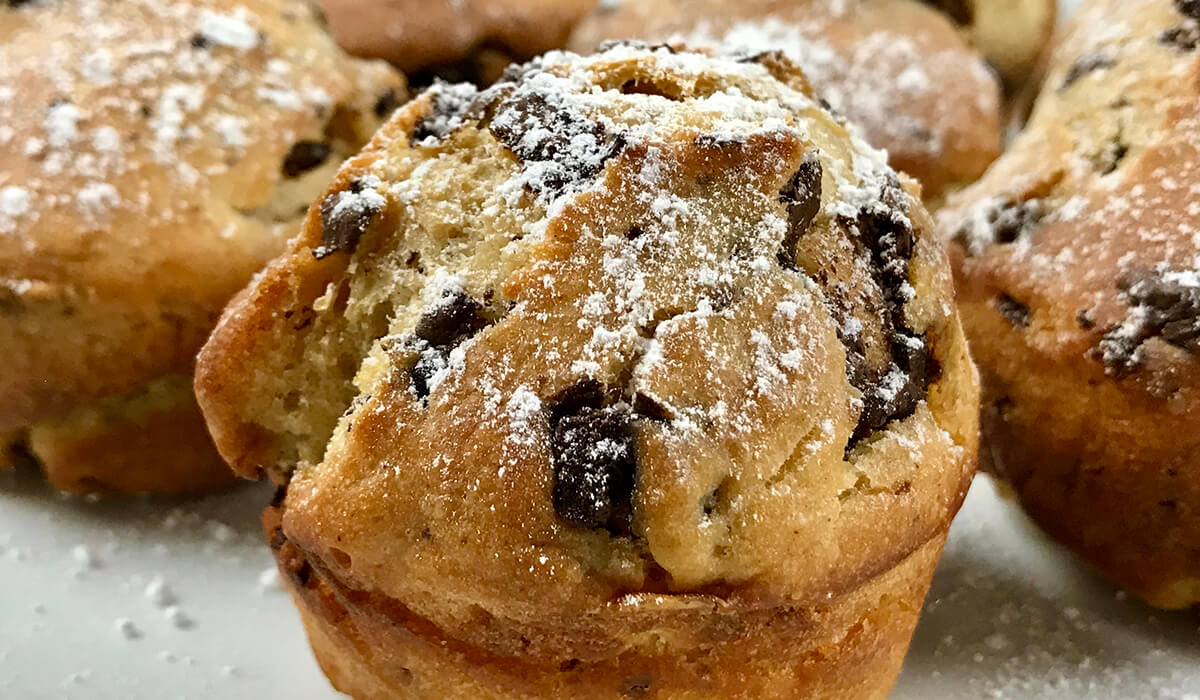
point(158, 600)
point(1010, 615)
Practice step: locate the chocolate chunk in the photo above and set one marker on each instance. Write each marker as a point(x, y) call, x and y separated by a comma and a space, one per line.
point(959, 10)
point(803, 198)
point(1189, 8)
point(199, 41)
point(894, 390)
point(1185, 37)
point(448, 107)
point(1003, 222)
point(1163, 304)
point(346, 216)
point(593, 457)
point(386, 104)
point(568, 148)
point(305, 156)
point(1017, 313)
point(1085, 65)
point(453, 319)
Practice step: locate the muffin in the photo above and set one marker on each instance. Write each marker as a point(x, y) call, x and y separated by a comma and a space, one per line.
point(153, 156)
point(1012, 34)
point(899, 69)
point(1077, 259)
point(472, 40)
point(633, 375)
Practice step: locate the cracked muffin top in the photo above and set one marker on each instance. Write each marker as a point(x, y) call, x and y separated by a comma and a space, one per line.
point(153, 156)
point(623, 326)
point(900, 70)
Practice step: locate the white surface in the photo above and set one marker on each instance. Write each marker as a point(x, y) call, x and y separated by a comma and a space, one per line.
point(86, 591)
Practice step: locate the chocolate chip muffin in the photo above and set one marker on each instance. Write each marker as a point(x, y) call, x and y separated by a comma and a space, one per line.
point(1012, 34)
point(632, 375)
point(471, 40)
point(1078, 258)
point(153, 156)
point(898, 69)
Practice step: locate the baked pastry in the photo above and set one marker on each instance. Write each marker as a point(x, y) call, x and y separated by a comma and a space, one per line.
point(634, 374)
point(1077, 258)
point(1012, 34)
point(898, 69)
point(472, 40)
point(153, 156)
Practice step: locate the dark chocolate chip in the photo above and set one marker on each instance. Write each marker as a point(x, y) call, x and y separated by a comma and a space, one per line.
point(386, 104)
point(1083, 66)
point(1085, 320)
point(592, 454)
point(345, 217)
point(890, 391)
point(1006, 221)
point(569, 148)
point(453, 319)
point(448, 107)
point(803, 198)
point(199, 41)
point(305, 156)
point(1189, 8)
point(1163, 304)
point(1185, 37)
point(1017, 313)
point(648, 407)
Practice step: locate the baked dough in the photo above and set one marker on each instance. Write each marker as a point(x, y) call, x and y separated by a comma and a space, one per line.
point(897, 68)
point(635, 374)
point(153, 156)
point(1078, 259)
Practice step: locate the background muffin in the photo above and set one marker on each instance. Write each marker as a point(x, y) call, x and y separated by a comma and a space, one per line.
point(636, 373)
point(1078, 256)
point(153, 156)
point(897, 68)
point(470, 40)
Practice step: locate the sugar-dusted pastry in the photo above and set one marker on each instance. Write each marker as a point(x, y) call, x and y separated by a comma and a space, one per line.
point(466, 39)
point(1079, 264)
point(900, 70)
point(1012, 34)
point(634, 375)
point(153, 155)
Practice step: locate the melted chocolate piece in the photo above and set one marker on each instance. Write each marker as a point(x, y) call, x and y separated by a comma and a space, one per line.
point(1084, 66)
point(454, 320)
point(1163, 304)
point(891, 392)
point(1185, 37)
point(1189, 8)
point(593, 457)
point(1017, 313)
point(305, 156)
point(803, 198)
point(448, 107)
point(345, 217)
point(1008, 221)
point(569, 148)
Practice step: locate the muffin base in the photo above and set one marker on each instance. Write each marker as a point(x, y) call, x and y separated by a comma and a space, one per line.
point(848, 646)
point(139, 444)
